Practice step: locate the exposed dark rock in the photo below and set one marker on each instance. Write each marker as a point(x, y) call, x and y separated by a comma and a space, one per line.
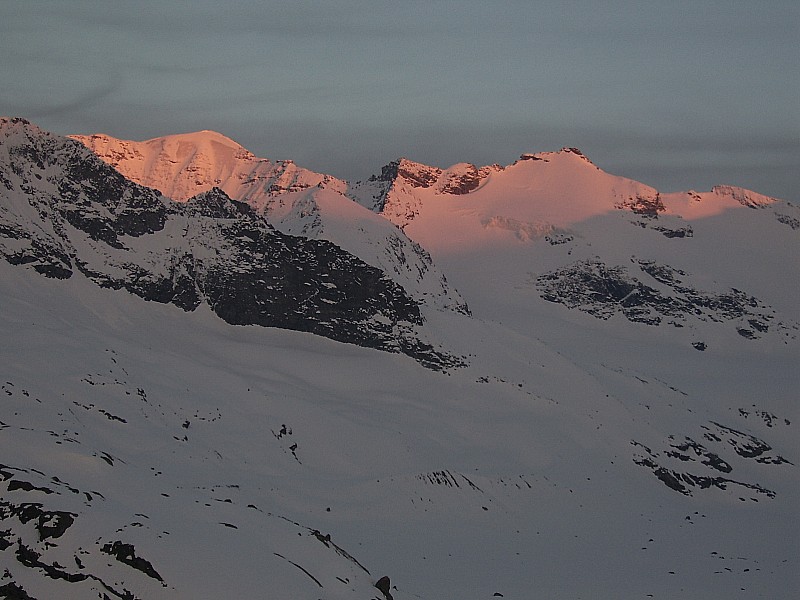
point(99, 201)
point(710, 459)
point(126, 554)
point(176, 287)
point(26, 486)
point(388, 172)
point(5, 539)
point(742, 196)
point(12, 591)
point(398, 173)
point(746, 446)
point(770, 419)
point(669, 478)
point(648, 206)
point(558, 238)
point(444, 478)
point(48, 523)
point(462, 183)
point(30, 558)
point(749, 446)
point(384, 585)
point(682, 482)
point(418, 175)
point(216, 204)
point(715, 462)
point(326, 540)
point(788, 220)
point(604, 291)
point(44, 254)
point(681, 232)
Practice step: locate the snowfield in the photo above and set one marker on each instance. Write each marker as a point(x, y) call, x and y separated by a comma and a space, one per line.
point(621, 422)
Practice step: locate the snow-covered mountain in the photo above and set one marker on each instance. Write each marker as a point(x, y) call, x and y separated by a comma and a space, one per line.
point(615, 418)
point(294, 200)
point(182, 166)
point(67, 211)
point(554, 226)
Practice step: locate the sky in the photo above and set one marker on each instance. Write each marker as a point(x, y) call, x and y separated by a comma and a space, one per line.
point(676, 94)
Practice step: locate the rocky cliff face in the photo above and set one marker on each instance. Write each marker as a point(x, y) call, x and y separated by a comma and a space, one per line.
point(64, 211)
point(395, 192)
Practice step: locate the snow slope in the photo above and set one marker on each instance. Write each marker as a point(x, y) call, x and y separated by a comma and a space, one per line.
point(216, 451)
point(621, 429)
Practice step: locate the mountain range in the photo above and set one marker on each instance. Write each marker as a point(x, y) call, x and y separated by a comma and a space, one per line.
point(230, 376)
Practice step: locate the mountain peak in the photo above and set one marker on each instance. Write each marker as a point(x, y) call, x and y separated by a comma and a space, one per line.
point(185, 164)
point(199, 138)
point(5, 121)
point(547, 156)
point(205, 136)
point(216, 204)
point(572, 150)
point(743, 196)
point(460, 178)
point(414, 173)
point(11, 125)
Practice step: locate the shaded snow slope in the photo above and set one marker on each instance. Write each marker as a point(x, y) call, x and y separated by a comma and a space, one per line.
point(624, 425)
point(225, 457)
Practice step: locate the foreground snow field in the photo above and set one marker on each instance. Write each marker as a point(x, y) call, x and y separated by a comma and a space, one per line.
point(621, 421)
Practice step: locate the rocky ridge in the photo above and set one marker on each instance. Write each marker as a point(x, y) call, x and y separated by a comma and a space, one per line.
point(292, 199)
point(393, 192)
point(66, 212)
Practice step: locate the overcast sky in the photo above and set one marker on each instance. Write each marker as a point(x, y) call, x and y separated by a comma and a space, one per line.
point(677, 94)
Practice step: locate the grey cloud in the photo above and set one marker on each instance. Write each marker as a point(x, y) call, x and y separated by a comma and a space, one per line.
point(705, 89)
point(47, 108)
point(207, 20)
